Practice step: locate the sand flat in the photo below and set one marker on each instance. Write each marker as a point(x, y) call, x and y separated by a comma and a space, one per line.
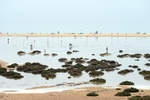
point(74, 94)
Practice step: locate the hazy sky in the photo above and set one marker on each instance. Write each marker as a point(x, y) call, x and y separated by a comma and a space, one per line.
point(22, 16)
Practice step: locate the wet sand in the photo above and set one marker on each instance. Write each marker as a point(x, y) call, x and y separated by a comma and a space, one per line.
point(75, 94)
point(3, 63)
point(74, 35)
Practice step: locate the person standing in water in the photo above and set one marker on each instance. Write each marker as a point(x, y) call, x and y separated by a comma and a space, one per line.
point(8, 41)
point(70, 46)
point(31, 47)
point(106, 50)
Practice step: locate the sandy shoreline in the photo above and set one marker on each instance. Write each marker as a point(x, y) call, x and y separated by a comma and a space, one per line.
point(75, 35)
point(74, 94)
point(3, 63)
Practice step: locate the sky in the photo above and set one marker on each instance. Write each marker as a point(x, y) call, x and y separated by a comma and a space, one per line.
point(74, 16)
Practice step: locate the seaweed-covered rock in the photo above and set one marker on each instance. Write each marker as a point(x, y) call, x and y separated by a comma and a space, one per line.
point(93, 54)
point(139, 69)
point(120, 51)
point(135, 55)
point(12, 75)
point(20, 53)
point(123, 93)
point(146, 56)
point(144, 73)
point(126, 83)
point(54, 54)
point(125, 71)
point(2, 70)
point(68, 63)
point(58, 70)
point(139, 98)
point(75, 51)
point(127, 92)
point(147, 64)
point(106, 65)
point(35, 68)
point(131, 90)
point(105, 54)
point(14, 65)
point(147, 77)
point(79, 60)
point(46, 54)
point(96, 73)
point(75, 72)
point(35, 52)
point(130, 55)
point(92, 94)
point(69, 52)
point(133, 66)
point(47, 74)
point(123, 56)
point(62, 59)
point(98, 81)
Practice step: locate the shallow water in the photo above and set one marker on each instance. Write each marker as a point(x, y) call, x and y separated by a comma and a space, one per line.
point(86, 45)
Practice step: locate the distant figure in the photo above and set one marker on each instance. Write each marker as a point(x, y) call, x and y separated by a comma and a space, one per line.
point(106, 50)
point(26, 37)
point(31, 47)
point(70, 46)
point(96, 32)
point(8, 40)
point(44, 51)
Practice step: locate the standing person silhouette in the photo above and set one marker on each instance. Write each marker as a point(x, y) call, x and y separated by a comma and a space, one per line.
point(70, 46)
point(106, 50)
point(31, 47)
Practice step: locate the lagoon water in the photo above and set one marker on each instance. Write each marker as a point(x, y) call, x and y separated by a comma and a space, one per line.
point(9, 46)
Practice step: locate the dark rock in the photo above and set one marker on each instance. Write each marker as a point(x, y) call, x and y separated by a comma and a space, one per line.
point(146, 56)
point(62, 59)
point(125, 71)
point(98, 81)
point(54, 54)
point(69, 52)
point(12, 65)
point(96, 73)
point(126, 83)
point(92, 94)
point(35, 52)
point(12, 75)
point(120, 51)
point(20, 53)
point(35, 68)
point(147, 64)
point(75, 51)
point(75, 72)
point(47, 74)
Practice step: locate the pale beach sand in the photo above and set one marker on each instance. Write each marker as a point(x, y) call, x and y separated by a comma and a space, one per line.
point(75, 94)
point(3, 63)
point(75, 35)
